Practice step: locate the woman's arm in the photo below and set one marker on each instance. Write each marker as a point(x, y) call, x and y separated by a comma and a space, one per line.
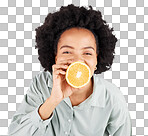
point(27, 121)
point(46, 110)
point(120, 122)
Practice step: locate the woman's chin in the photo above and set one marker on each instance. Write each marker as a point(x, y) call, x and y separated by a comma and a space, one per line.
point(77, 89)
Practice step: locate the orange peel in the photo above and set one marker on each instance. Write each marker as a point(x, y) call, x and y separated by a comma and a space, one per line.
point(78, 74)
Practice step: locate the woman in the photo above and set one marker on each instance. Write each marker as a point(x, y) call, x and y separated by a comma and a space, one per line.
point(51, 107)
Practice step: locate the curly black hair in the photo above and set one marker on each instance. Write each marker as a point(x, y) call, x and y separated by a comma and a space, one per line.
point(48, 34)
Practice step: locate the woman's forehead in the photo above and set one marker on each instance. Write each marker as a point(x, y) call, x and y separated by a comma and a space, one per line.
point(76, 36)
point(76, 31)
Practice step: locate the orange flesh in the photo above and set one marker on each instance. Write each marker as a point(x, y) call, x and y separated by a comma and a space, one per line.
point(78, 75)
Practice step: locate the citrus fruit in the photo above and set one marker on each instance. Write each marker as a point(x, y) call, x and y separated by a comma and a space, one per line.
point(78, 74)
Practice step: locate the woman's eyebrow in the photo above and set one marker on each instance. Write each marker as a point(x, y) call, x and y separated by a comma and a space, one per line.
point(67, 46)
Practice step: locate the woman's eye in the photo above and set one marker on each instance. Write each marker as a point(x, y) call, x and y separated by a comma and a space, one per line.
point(66, 52)
point(88, 53)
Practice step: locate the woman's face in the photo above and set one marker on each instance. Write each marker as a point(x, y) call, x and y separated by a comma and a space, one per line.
point(77, 45)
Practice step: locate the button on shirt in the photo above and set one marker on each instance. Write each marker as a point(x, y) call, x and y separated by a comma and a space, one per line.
point(103, 113)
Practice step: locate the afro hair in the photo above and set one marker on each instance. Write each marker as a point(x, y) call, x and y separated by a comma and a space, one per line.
point(48, 34)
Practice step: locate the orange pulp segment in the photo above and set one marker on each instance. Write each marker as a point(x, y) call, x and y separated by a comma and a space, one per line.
point(78, 74)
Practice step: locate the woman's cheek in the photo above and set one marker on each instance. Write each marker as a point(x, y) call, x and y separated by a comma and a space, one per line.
point(64, 58)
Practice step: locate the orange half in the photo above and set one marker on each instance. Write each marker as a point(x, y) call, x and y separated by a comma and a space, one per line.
point(78, 74)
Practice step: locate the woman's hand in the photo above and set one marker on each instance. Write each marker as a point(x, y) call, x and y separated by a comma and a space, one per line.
point(61, 89)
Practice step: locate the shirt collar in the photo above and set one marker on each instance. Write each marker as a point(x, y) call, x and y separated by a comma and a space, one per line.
point(98, 95)
point(99, 91)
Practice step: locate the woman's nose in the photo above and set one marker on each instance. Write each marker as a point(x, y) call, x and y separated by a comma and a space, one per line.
point(77, 58)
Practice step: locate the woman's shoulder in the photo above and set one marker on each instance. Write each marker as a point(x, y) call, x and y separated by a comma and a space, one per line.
point(110, 86)
point(43, 78)
point(112, 91)
point(43, 75)
point(107, 84)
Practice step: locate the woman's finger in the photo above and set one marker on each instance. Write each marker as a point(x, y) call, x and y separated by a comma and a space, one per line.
point(57, 66)
point(60, 72)
point(67, 62)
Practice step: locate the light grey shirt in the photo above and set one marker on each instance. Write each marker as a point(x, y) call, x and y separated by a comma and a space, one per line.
point(103, 113)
